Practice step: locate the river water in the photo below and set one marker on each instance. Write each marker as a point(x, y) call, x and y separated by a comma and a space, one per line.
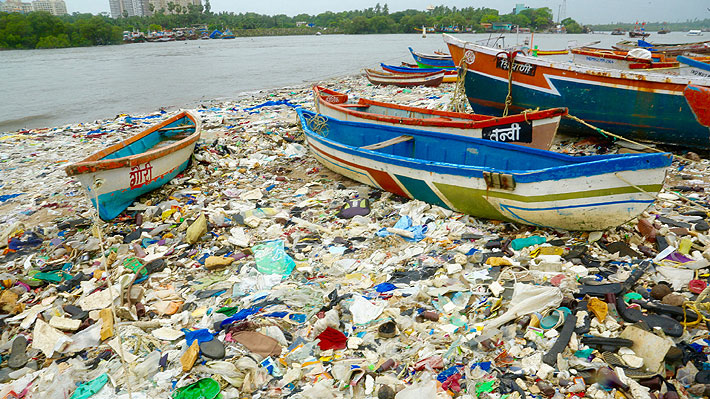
point(44, 88)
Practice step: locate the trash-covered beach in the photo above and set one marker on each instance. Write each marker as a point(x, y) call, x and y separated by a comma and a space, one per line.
point(258, 272)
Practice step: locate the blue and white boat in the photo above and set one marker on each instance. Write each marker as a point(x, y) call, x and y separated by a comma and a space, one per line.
point(695, 67)
point(489, 179)
point(123, 172)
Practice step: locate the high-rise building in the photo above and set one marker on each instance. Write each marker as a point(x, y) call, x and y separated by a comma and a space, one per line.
point(129, 8)
point(16, 6)
point(54, 7)
point(164, 4)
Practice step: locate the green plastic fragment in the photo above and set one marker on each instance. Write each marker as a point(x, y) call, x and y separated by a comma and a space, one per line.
point(52, 277)
point(91, 388)
point(584, 353)
point(632, 295)
point(228, 310)
point(205, 388)
point(133, 264)
point(482, 387)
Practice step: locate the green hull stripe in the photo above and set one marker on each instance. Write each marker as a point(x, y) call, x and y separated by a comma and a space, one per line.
point(468, 199)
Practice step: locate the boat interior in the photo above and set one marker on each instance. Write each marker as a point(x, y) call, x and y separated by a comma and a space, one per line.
point(174, 131)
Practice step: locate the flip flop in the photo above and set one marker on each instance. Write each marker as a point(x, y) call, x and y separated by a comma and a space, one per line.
point(355, 207)
point(18, 353)
point(633, 315)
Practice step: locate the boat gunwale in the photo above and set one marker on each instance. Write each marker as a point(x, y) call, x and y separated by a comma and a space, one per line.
point(585, 70)
point(406, 70)
point(385, 74)
point(434, 57)
point(621, 161)
point(407, 121)
point(95, 162)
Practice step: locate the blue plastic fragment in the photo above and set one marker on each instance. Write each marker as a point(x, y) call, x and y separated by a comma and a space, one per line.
point(384, 287)
point(201, 335)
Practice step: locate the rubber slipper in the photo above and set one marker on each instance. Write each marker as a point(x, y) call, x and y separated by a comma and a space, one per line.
point(675, 312)
point(633, 315)
point(18, 353)
point(555, 318)
point(550, 358)
point(599, 290)
point(607, 344)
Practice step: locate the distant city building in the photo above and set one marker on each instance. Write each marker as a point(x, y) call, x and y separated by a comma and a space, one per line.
point(54, 7)
point(519, 8)
point(165, 4)
point(129, 8)
point(16, 6)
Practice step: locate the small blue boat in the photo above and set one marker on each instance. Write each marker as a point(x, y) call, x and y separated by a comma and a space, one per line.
point(489, 179)
point(432, 60)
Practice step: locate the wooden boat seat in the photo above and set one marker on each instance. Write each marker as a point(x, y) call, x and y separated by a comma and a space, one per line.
point(354, 105)
point(387, 143)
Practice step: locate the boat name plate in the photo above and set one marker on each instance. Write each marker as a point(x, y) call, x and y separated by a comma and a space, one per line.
point(512, 132)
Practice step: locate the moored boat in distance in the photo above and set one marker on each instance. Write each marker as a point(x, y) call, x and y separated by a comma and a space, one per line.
point(488, 179)
point(404, 79)
point(667, 49)
point(535, 129)
point(637, 105)
point(636, 59)
point(126, 170)
point(450, 75)
point(695, 32)
point(432, 60)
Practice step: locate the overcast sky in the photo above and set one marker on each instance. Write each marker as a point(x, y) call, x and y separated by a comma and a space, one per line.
point(584, 11)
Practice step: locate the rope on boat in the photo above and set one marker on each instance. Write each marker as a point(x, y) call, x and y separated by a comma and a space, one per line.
point(510, 56)
point(606, 133)
point(458, 99)
point(318, 124)
point(126, 370)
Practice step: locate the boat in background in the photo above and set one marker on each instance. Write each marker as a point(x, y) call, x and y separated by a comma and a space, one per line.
point(488, 179)
point(664, 31)
point(639, 33)
point(618, 32)
point(549, 52)
point(432, 60)
point(227, 34)
point(535, 129)
point(667, 49)
point(639, 105)
point(404, 79)
point(140, 164)
point(450, 75)
point(695, 32)
point(697, 66)
point(636, 59)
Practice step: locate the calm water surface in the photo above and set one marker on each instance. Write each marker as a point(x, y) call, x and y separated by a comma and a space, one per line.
point(42, 88)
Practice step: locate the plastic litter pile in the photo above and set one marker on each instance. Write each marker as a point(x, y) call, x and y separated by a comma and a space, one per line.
point(260, 273)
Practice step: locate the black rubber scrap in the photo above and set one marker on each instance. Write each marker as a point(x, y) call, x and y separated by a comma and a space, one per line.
point(550, 358)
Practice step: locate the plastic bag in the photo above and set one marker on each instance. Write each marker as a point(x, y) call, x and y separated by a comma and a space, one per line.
point(271, 258)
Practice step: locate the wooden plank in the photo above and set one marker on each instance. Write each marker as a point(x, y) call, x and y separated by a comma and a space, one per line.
point(387, 143)
point(166, 129)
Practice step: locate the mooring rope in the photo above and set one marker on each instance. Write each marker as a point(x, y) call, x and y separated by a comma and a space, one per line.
point(458, 99)
point(616, 136)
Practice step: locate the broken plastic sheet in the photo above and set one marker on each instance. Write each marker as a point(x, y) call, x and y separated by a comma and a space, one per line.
point(527, 299)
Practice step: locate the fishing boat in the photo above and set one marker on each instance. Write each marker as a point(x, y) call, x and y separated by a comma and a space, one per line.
point(123, 172)
point(534, 129)
point(489, 179)
point(228, 34)
point(450, 75)
point(404, 80)
point(639, 33)
point(432, 60)
point(618, 32)
point(699, 99)
point(637, 105)
point(636, 59)
point(668, 49)
point(697, 66)
point(550, 52)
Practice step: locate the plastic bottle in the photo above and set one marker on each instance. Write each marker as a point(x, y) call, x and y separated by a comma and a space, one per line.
point(520, 243)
